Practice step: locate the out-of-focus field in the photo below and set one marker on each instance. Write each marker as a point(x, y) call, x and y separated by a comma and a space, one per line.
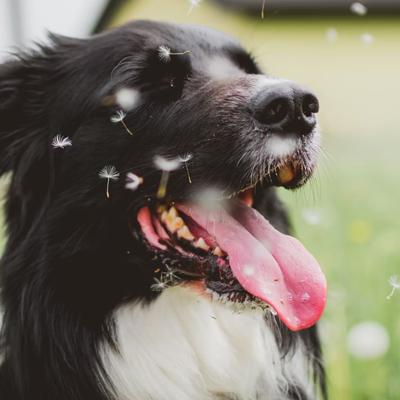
point(348, 217)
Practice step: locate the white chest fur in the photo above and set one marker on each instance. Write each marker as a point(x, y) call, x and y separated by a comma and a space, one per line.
point(186, 347)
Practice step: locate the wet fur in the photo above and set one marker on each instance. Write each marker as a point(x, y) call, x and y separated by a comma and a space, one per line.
point(71, 269)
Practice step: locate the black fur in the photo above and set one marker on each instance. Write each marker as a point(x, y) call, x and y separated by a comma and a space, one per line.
point(70, 259)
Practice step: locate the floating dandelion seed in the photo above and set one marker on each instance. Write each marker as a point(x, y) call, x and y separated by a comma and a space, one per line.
point(359, 9)
point(184, 159)
point(194, 4)
point(262, 10)
point(109, 172)
point(159, 286)
point(170, 274)
point(127, 99)
point(395, 283)
point(164, 53)
point(120, 118)
point(166, 167)
point(60, 142)
point(133, 181)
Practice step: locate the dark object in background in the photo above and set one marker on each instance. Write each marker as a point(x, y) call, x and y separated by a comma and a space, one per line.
point(311, 6)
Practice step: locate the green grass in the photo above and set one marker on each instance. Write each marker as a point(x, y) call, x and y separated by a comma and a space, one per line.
point(357, 243)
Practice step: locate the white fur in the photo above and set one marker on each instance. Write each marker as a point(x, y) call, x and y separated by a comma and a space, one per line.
point(187, 347)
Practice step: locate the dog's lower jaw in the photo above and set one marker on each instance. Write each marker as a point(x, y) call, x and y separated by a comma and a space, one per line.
point(184, 346)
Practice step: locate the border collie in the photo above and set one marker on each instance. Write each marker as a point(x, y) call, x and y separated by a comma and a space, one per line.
point(148, 255)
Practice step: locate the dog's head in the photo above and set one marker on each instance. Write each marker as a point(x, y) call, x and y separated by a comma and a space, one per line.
point(175, 134)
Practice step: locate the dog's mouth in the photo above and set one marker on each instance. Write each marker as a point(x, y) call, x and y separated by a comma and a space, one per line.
point(229, 250)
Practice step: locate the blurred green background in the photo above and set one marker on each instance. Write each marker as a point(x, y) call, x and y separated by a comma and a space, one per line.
point(347, 216)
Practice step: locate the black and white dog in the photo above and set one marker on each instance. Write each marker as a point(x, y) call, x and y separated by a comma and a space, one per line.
point(172, 285)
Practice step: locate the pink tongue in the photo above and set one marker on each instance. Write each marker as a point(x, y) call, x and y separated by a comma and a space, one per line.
point(271, 266)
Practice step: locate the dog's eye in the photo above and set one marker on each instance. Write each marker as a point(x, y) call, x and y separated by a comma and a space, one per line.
point(165, 81)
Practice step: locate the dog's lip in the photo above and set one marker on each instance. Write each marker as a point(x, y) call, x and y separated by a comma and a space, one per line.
point(273, 178)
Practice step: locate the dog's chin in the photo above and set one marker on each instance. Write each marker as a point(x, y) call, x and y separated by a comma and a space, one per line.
point(205, 246)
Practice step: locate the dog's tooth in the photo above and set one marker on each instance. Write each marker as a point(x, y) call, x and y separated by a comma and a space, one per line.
point(201, 244)
point(185, 233)
point(164, 216)
point(172, 214)
point(177, 223)
point(286, 174)
point(173, 211)
point(218, 252)
point(161, 208)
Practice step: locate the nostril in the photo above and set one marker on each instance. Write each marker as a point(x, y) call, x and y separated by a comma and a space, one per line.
point(271, 110)
point(276, 111)
point(310, 105)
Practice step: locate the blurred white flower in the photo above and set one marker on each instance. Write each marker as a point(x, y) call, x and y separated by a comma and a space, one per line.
point(395, 283)
point(367, 38)
point(368, 340)
point(127, 99)
point(133, 181)
point(109, 172)
point(60, 142)
point(332, 34)
point(359, 9)
point(312, 216)
point(166, 165)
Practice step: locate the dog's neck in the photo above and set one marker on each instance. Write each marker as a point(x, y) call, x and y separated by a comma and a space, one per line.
point(184, 346)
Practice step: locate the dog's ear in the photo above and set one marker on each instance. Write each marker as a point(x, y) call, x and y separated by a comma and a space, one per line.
point(28, 84)
point(21, 108)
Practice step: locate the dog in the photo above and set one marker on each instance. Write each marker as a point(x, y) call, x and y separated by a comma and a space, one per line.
point(148, 255)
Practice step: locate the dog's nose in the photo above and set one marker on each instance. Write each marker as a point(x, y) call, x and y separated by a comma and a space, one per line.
point(287, 108)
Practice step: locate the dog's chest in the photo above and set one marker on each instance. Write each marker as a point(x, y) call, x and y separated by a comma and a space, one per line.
point(186, 347)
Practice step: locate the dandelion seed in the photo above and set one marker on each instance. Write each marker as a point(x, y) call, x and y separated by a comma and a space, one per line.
point(262, 10)
point(133, 181)
point(166, 166)
point(60, 142)
point(194, 4)
point(120, 118)
point(395, 283)
point(164, 53)
point(127, 99)
point(109, 172)
point(159, 286)
point(184, 159)
point(170, 274)
point(359, 9)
